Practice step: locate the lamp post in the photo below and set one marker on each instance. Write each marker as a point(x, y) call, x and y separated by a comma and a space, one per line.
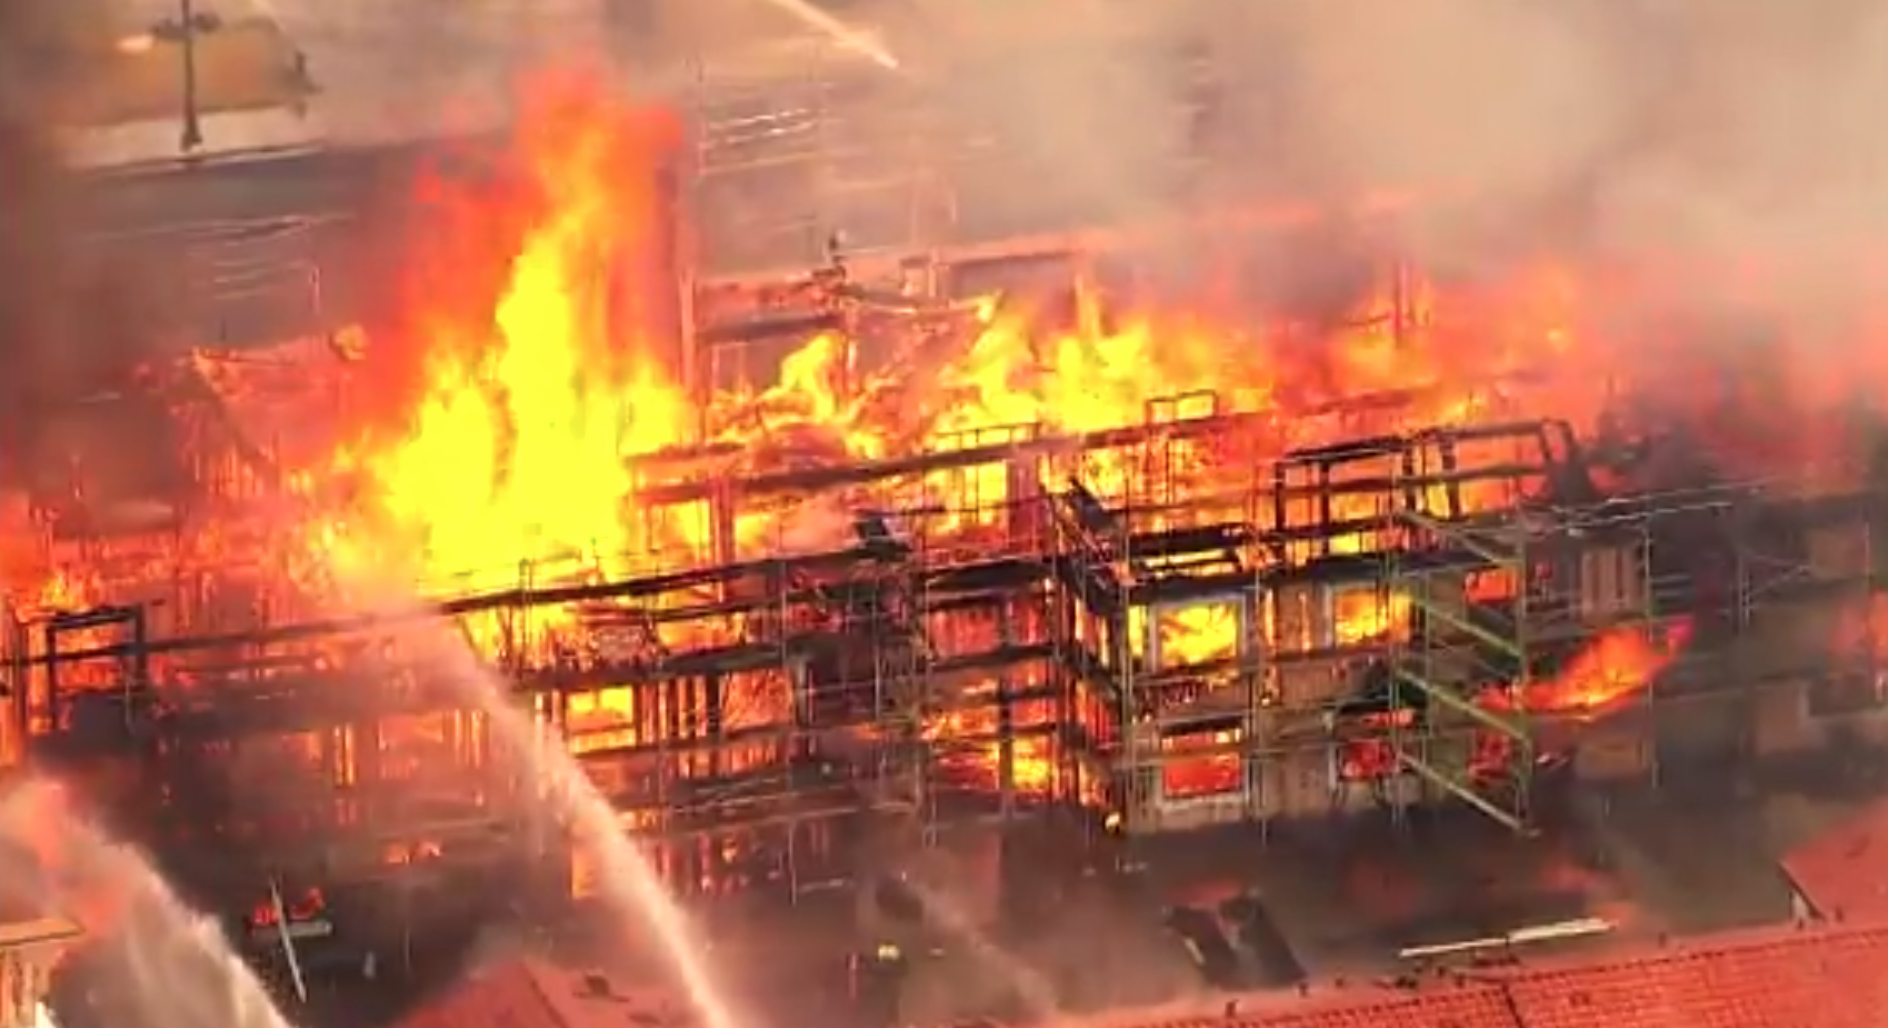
point(192, 137)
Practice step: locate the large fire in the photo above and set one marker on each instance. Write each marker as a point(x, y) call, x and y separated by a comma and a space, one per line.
point(513, 428)
point(1613, 668)
point(514, 444)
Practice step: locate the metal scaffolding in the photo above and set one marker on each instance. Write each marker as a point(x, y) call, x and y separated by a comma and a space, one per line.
point(1115, 622)
point(1185, 621)
point(827, 157)
point(1196, 618)
point(1458, 652)
point(1382, 613)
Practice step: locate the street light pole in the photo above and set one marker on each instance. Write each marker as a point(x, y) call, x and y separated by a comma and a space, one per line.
point(193, 128)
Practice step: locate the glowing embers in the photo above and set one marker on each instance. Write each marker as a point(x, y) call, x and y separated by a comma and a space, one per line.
point(1199, 763)
point(672, 711)
point(1365, 747)
point(1308, 617)
point(799, 854)
point(975, 500)
point(1192, 656)
point(65, 591)
point(676, 744)
point(1192, 634)
point(995, 624)
point(1368, 614)
point(1357, 497)
point(305, 914)
point(86, 662)
point(1000, 738)
point(1860, 633)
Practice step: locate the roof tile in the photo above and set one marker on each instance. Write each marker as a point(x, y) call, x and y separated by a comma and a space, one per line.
point(527, 993)
point(1844, 872)
point(1807, 978)
point(506, 995)
point(1784, 980)
point(1464, 1007)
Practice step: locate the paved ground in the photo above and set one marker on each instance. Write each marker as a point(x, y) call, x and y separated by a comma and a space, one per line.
point(397, 71)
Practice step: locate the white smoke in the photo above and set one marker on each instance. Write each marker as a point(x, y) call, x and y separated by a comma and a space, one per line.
point(1627, 128)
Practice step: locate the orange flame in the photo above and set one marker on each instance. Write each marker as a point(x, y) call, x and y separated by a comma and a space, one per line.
point(1613, 667)
point(513, 446)
point(495, 433)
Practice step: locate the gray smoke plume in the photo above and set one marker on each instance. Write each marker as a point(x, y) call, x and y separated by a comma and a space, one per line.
point(1624, 129)
point(70, 320)
point(1662, 133)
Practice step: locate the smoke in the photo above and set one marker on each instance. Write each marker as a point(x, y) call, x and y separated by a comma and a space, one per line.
point(395, 72)
point(71, 320)
point(33, 214)
point(820, 525)
point(1631, 129)
point(391, 73)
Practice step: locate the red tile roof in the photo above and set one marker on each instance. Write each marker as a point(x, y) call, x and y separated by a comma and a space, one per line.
point(1819, 977)
point(504, 996)
point(1440, 1006)
point(526, 993)
point(1843, 873)
point(1791, 979)
point(1823, 977)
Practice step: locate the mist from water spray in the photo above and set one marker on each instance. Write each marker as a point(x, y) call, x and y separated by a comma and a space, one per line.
point(629, 884)
point(839, 32)
point(1030, 986)
point(177, 963)
point(632, 887)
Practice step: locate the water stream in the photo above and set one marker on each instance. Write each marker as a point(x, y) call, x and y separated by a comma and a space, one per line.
point(845, 36)
point(178, 968)
point(628, 883)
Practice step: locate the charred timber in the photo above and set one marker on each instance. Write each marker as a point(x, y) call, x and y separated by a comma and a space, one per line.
point(774, 577)
point(1221, 426)
point(777, 572)
point(304, 702)
point(1087, 576)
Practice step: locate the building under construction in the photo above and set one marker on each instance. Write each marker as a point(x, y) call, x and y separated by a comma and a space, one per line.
point(1162, 625)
